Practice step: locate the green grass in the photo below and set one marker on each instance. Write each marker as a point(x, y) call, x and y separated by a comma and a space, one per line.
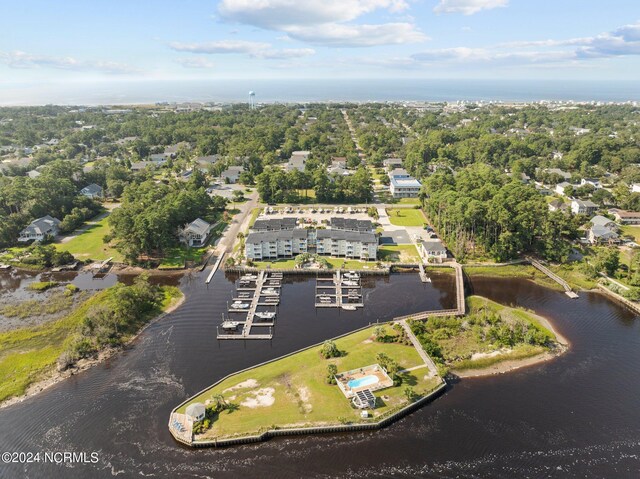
point(409, 201)
point(89, 244)
point(406, 217)
point(254, 216)
point(513, 271)
point(57, 302)
point(404, 253)
point(572, 275)
point(177, 256)
point(630, 230)
point(29, 354)
point(41, 286)
point(301, 393)
point(522, 351)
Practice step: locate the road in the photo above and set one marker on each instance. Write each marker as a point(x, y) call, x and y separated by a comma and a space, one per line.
point(239, 223)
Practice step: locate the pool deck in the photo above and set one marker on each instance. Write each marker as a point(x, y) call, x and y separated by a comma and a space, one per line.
point(383, 380)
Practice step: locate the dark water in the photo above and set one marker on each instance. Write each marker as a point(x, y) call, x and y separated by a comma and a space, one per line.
point(577, 416)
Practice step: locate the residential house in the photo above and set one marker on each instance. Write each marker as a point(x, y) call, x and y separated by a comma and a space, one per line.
point(433, 250)
point(600, 220)
point(270, 245)
point(558, 205)
point(351, 224)
point(92, 191)
point(403, 185)
point(392, 163)
point(297, 161)
point(601, 234)
point(275, 224)
point(592, 182)
point(347, 244)
point(232, 174)
point(196, 233)
point(626, 217)
point(580, 207)
point(40, 229)
point(560, 187)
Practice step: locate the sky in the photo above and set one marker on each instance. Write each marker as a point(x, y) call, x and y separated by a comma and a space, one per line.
point(140, 40)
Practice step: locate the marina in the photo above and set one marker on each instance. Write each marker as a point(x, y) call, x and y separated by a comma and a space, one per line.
point(257, 296)
point(342, 290)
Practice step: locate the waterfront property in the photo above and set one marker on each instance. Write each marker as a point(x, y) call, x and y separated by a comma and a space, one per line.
point(196, 233)
point(368, 378)
point(40, 229)
point(271, 239)
point(294, 391)
point(432, 250)
point(626, 217)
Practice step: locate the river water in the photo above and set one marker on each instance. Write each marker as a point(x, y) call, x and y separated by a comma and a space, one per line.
point(575, 416)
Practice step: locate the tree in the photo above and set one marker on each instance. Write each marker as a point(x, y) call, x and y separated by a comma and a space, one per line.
point(606, 259)
point(330, 350)
point(332, 370)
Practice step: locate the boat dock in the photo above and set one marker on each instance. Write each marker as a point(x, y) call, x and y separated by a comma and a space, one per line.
point(257, 297)
point(567, 289)
point(342, 290)
point(423, 275)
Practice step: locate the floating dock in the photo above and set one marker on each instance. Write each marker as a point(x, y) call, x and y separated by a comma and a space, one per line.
point(423, 275)
point(342, 290)
point(261, 290)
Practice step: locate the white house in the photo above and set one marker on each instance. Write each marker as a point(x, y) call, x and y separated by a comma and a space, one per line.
point(92, 191)
point(592, 182)
point(579, 207)
point(298, 160)
point(402, 184)
point(232, 174)
point(601, 234)
point(433, 250)
point(560, 187)
point(196, 233)
point(39, 229)
point(196, 411)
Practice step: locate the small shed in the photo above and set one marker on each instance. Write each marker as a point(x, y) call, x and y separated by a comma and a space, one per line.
point(196, 411)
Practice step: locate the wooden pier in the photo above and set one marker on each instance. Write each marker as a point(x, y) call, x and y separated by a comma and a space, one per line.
point(265, 293)
point(330, 292)
point(567, 289)
point(423, 274)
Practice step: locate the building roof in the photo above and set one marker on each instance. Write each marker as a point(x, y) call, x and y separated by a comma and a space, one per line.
point(92, 189)
point(351, 224)
point(233, 170)
point(269, 236)
point(198, 226)
point(603, 232)
point(42, 225)
point(195, 410)
point(405, 182)
point(600, 220)
point(275, 224)
point(347, 236)
point(400, 173)
point(585, 203)
point(434, 245)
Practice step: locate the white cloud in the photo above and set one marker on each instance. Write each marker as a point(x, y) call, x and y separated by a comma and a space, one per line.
point(253, 49)
point(19, 59)
point(196, 62)
point(324, 22)
point(286, 53)
point(222, 46)
point(468, 7)
point(343, 35)
point(280, 14)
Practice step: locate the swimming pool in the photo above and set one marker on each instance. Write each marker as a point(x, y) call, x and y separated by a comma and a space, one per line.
point(363, 381)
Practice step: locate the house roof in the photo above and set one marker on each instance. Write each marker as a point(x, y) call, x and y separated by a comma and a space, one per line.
point(199, 226)
point(275, 224)
point(347, 236)
point(600, 220)
point(434, 245)
point(92, 189)
point(195, 410)
point(42, 225)
point(269, 236)
point(351, 224)
point(233, 170)
point(603, 232)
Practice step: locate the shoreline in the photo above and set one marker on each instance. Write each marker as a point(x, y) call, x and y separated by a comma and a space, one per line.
point(85, 364)
point(561, 347)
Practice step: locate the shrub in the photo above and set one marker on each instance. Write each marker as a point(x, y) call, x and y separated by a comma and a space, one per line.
point(330, 350)
point(332, 370)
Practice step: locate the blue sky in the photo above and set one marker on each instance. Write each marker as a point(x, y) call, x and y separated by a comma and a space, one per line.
point(87, 41)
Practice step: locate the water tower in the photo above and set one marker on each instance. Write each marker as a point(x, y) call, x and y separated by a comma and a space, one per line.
point(252, 100)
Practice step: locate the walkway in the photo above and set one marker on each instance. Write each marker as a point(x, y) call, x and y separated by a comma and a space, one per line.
point(567, 289)
point(416, 344)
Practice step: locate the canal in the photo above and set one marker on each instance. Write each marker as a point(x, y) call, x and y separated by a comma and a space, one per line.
point(576, 416)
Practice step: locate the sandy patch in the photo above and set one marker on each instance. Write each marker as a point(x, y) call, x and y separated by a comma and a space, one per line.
point(476, 356)
point(249, 383)
point(261, 398)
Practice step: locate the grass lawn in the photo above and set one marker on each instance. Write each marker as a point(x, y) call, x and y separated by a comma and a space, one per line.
point(254, 216)
point(89, 244)
point(630, 230)
point(404, 253)
point(28, 354)
point(409, 201)
point(301, 396)
point(179, 255)
point(406, 217)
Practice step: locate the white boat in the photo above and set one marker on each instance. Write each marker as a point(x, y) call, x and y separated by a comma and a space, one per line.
point(265, 315)
point(348, 307)
point(269, 292)
point(230, 325)
point(248, 277)
point(349, 283)
point(239, 305)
